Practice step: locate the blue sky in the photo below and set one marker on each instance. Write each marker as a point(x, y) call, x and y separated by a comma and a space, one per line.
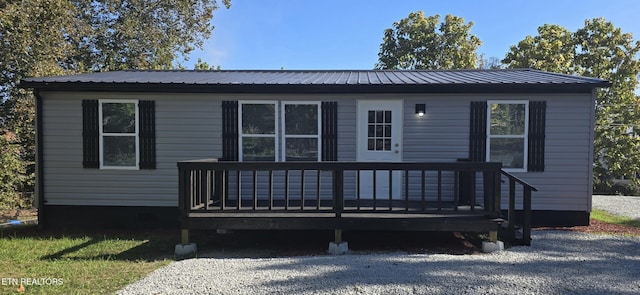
point(333, 34)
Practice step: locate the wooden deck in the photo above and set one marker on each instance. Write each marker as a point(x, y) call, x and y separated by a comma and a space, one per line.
point(217, 195)
point(347, 221)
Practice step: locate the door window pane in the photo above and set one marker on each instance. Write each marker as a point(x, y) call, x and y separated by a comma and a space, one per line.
point(372, 117)
point(379, 131)
point(119, 151)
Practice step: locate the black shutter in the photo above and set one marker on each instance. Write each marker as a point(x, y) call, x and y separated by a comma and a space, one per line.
point(478, 131)
point(147, 134)
point(230, 131)
point(329, 131)
point(90, 134)
point(537, 122)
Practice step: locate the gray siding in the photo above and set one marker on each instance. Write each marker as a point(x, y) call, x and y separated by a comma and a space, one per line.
point(443, 136)
point(188, 127)
point(178, 136)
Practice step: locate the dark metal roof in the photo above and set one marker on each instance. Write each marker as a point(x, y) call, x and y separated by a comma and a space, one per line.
point(255, 81)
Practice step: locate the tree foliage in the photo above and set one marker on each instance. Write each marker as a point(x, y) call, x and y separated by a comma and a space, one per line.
point(204, 66)
point(419, 42)
point(601, 50)
point(57, 37)
point(12, 182)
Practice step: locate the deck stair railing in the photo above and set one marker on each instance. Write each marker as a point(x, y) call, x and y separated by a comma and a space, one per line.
point(525, 219)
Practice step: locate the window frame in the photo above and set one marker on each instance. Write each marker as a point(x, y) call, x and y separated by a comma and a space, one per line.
point(102, 134)
point(276, 131)
point(524, 136)
point(318, 136)
point(280, 130)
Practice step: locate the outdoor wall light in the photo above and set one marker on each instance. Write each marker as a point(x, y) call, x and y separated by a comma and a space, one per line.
point(420, 109)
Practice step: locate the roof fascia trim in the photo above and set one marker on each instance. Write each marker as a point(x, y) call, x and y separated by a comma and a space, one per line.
point(313, 88)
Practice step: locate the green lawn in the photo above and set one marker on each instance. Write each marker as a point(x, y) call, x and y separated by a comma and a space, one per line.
point(73, 263)
point(615, 219)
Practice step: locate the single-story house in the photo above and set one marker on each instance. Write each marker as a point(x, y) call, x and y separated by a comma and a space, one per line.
point(108, 143)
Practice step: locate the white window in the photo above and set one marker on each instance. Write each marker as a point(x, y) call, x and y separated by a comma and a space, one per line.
point(258, 131)
point(301, 121)
point(119, 139)
point(279, 131)
point(507, 127)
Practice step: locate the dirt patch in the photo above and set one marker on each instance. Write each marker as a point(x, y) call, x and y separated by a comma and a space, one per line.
point(18, 214)
point(596, 226)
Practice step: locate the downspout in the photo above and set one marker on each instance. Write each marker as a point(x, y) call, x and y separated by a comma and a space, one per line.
point(39, 160)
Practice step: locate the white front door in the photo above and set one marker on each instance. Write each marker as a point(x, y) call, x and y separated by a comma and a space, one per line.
point(379, 140)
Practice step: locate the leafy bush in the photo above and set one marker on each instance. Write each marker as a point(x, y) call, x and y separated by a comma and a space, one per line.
point(12, 174)
point(625, 189)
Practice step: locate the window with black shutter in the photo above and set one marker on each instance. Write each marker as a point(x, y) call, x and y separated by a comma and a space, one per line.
point(329, 131)
point(119, 134)
point(230, 131)
point(279, 131)
point(508, 131)
point(90, 134)
point(537, 124)
point(478, 131)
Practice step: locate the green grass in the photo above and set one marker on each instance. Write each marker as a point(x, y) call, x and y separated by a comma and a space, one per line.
point(614, 219)
point(85, 263)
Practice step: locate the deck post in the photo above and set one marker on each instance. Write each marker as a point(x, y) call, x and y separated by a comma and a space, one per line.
point(526, 226)
point(185, 236)
point(338, 246)
point(493, 236)
point(338, 191)
point(511, 214)
point(493, 244)
point(497, 193)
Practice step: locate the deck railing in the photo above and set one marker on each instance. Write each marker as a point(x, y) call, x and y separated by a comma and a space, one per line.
point(347, 187)
point(525, 221)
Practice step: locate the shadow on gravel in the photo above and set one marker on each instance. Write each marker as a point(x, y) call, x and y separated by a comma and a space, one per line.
point(245, 244)
point(559, 263)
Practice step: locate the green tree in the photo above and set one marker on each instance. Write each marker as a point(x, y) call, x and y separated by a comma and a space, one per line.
point(419, 42)
point(204, 66)
point(12, 181)
point(600, 50)
point(141, 34)
point(553, 50)
point(55, 37)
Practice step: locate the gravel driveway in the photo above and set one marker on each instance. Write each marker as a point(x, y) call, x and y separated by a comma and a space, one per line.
point(558, 262)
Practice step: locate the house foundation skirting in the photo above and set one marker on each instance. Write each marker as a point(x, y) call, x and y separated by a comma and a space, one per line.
point(112, 217)
point(540, 218)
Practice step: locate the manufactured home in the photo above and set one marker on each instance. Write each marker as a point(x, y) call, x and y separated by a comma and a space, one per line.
point(351, 149)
